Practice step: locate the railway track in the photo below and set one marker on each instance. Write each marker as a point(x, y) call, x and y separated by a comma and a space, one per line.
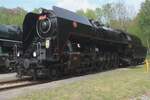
point(10, 84)
point(9, 80)
point(14, 84)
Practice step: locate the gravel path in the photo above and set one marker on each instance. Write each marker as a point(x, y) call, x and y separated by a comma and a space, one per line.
point(9, 95)
point(5, 77)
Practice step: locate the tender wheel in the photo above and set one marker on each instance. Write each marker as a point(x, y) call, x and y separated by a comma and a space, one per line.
point(117, 61)
point(107, 65)
point(101, 62)
point(104, 61)
point(111, 60)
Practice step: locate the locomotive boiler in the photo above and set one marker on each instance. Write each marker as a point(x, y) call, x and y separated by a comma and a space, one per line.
point(10, 42)
point(59, 41)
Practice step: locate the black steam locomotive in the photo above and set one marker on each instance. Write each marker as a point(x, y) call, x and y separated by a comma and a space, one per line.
point(58, 41)
point(10, 41)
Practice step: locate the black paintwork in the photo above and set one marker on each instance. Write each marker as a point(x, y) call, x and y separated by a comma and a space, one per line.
point(62, 29)
point(76, 43)
point(10, 32)
point(10, 41)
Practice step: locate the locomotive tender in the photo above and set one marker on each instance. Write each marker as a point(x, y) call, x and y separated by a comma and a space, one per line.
point(10, 41)
point(58, 41)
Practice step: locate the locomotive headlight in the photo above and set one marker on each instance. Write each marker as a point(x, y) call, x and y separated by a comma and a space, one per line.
point(34, 54)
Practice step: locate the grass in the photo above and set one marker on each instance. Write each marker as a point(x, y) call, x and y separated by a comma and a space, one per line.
point(148, 56)
point(112, 85)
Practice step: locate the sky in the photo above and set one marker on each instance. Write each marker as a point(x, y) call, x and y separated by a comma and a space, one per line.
point(72, 5)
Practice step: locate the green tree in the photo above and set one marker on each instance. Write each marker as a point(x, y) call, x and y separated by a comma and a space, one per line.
point(90, 14)
point(80, 12)
point(99, 14)
point(12, 16)
point(144, 21)
point(121, 15)
point(108, 13)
